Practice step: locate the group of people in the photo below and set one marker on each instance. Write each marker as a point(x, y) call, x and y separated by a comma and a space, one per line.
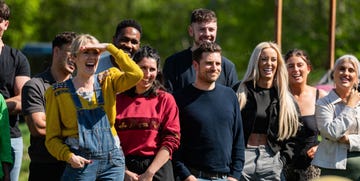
point(109, 111)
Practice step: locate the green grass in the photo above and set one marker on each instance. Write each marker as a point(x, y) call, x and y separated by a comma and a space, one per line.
point(24, 172)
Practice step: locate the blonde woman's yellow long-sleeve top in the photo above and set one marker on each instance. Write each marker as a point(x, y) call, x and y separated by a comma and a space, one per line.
point(61, 115)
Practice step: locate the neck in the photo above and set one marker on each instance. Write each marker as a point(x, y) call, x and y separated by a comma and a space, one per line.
point(343, 93)
point(59, 75)
point(297, 89)
point(194, 47)
point(267, 84)
point(139, 90)
point(204, 85)
point(85, 82)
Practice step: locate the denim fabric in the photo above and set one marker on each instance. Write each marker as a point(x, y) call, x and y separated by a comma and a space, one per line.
point(96, 143)
point(262, 163)
point(17, 151)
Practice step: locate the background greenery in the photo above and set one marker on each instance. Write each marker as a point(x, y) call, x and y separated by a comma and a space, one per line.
point(242, 25)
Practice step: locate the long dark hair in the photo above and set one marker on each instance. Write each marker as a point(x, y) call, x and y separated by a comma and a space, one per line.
point(149, 52)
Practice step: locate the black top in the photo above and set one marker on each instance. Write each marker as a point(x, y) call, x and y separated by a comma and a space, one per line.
point(12, 63)
point(33, 100)
point(211, 135)
point(248, 114)
point(307, 137)
point(261, 124)
point(179, 72)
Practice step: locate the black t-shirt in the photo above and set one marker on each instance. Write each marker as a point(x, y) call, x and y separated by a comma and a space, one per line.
point(33, 100)
point(12, 63)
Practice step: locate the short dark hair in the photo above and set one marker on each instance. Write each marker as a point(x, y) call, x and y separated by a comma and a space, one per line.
point(202, 15)
point(127, 23)
point(205, 47)
point(4, 11)
point(63, 38)
point(149, 52)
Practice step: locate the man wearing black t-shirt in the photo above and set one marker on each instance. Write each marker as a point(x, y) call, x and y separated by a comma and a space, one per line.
point(14, 72)
point(43, 166)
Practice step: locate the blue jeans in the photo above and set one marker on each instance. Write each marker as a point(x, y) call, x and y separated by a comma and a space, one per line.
point(17, 151)
point(112, 169)
point(95, 143)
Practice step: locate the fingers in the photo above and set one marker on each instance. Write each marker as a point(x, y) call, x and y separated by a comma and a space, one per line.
point(79, 162)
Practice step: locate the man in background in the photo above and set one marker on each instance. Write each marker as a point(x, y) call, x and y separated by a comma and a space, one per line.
point(43, 166)
point(178, 70)
point(14, 72)
point(127, 38)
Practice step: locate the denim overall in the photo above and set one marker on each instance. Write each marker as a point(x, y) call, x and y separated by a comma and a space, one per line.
point(95, 143)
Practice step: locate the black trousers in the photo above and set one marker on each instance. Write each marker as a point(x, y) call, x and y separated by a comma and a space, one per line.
point(139, 165)
point(46, 171)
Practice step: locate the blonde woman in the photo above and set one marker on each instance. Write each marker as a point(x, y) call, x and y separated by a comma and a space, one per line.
point(269, 114)
point(338, 120)
point(81, 113)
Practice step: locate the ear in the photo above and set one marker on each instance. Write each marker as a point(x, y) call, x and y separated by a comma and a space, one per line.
point(190, 31)
point(6, 25)
point(195, 64)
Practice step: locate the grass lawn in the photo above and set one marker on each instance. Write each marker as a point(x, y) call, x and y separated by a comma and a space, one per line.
point(24, 172)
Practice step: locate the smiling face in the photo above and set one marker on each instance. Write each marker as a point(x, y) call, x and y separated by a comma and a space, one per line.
point(128, 40)
point(267, 64)
point(149, 67)
point(86, 61)
point(203, 32)
point(298, 70)
point(208, 68)
point(345, 75)
point(61, 59)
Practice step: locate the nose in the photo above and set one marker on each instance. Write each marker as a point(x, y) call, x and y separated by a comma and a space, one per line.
point(146, 73)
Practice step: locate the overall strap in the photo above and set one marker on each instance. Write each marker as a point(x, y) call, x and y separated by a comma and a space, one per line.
point(73, 93)
point(98, 90)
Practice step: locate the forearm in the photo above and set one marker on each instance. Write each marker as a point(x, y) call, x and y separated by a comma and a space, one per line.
point(160, 159)
point(36, 123)
point(131, 71)
point(14, 105)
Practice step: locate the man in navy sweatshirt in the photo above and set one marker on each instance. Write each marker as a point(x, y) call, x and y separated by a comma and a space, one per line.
point(212, 141)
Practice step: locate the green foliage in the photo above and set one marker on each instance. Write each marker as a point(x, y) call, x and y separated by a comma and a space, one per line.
point(242, 24)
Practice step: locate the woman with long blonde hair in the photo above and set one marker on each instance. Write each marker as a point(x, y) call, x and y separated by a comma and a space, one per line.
point(269, 114)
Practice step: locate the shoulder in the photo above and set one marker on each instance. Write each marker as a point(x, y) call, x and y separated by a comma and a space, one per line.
point(59, 88)
point(330, 98)
point(178, 55)
point(164, 95)
point(225, 89)
point(16, 53)
point(226, 62)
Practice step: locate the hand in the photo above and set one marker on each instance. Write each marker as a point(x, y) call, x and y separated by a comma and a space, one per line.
point(146, 176)
point(232, 179)
point(353, 98)
point(78, 161)
point(131, 176)
point(311, 152)
point(344, 139)
point(100, 46)
point(191, 178)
